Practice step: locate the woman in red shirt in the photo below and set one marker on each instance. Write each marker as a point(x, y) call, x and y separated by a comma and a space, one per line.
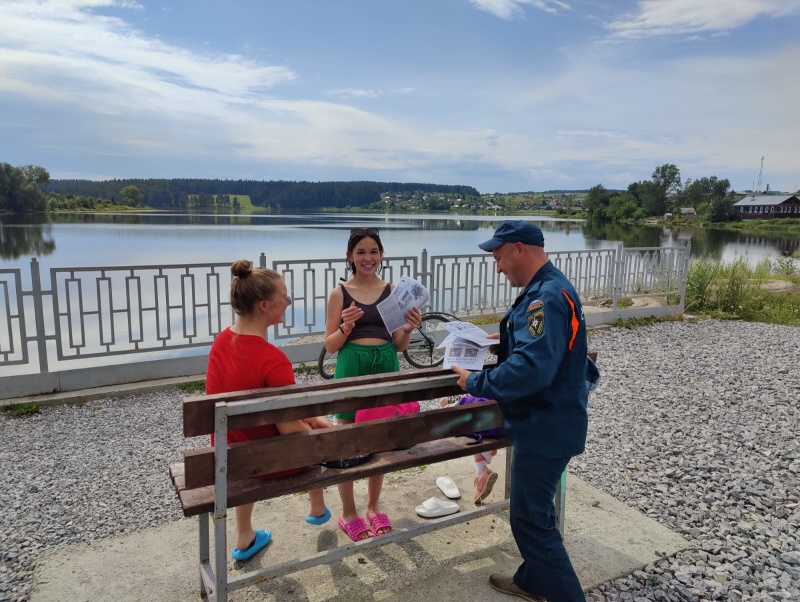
point(242, 359)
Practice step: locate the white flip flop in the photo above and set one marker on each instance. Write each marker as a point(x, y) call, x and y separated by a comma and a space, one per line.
point(433, 507)
point(448, 487)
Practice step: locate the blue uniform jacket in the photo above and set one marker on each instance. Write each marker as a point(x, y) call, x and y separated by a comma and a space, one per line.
point(540, 382)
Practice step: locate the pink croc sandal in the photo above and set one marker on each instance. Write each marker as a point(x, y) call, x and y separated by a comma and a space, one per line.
point(355, 528)
point(380, 521)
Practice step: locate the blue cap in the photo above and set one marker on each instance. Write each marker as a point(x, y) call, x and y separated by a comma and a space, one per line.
point(514, 231)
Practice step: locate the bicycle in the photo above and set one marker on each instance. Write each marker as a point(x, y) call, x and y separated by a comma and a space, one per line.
point(421, 351)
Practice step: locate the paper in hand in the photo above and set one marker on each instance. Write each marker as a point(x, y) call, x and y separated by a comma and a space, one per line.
point(407, 293)
point(466, 346)
point(465, 355)
point(470, 332)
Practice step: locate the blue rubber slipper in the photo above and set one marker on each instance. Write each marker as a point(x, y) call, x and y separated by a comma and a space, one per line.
point(261, 540)
point(319, 520)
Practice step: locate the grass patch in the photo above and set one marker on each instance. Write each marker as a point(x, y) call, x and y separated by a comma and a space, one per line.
point(20, 410)
point(734, 290)
point(484, 320)
point(303, 368)
point(193, 387)
point(631, 323)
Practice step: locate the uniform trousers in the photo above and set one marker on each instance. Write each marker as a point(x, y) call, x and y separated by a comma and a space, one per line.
point(546, 569)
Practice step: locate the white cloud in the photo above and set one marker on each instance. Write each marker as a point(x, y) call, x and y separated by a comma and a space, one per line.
point(670, 17)
point(61, 41)
point(354, 93)
point(598, 118)
point(107, 89)
point(134, 95)
point(347, 93)
point(510, 9)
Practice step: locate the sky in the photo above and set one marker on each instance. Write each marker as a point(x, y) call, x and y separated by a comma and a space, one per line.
point(502, 95)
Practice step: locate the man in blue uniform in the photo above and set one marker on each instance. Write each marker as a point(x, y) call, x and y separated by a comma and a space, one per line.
point(540, 384)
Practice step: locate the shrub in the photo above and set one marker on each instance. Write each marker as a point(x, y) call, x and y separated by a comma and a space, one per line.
point(734, 290)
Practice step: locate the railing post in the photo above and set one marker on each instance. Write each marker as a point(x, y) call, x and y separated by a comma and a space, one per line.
point(262, 260)
point(684, 274)
point(38, 314)
point(616, 278)
point(422, 276)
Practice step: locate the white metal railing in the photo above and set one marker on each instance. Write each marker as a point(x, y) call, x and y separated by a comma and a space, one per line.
point(79, 317)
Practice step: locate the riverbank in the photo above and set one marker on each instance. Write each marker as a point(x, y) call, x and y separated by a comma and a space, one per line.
point(788, 226)
point(694, 424)
point(776, 227)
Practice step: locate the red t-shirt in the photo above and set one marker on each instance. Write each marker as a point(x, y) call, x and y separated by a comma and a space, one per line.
point(239, 362)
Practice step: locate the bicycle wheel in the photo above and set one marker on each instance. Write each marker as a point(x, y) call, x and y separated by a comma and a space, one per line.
point(326, 363)
point(421, 351)
point(443, 315)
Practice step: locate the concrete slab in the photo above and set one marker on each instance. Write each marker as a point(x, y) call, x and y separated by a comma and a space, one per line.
point(605, 539)
point(84, 395)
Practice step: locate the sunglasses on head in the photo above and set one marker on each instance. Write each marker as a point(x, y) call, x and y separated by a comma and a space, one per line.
point(364, 232)
point(287, 299)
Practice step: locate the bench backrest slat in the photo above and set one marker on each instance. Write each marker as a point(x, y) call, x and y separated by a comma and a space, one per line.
point(299, 401)
point(284, 452)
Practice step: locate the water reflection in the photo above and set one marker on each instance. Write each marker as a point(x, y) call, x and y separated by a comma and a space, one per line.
point(174, 237)
point(394, 221)
point(719, 244)
point(26, 236)
point(630, 236)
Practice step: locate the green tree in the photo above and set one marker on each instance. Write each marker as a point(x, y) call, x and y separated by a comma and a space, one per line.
point(719, 189)
point(205, 200)
point(723, 210)
point(596, 202)
point(654, 200)
point(131, 196)
point(35, 174)
point(693, 194)
point(664, 185)
point(668, 178)
point(622, 207)
point(704, 192)
point(19, 188)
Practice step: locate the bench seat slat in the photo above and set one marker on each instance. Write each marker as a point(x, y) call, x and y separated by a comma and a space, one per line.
point(201, 500)
point(273, 454)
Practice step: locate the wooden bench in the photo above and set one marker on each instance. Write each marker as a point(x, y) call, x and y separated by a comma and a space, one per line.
point(211, 480)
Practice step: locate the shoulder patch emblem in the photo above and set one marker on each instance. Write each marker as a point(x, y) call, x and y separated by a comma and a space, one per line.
point(536, 321)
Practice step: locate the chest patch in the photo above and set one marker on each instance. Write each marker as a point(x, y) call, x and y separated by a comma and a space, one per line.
point(536, 320)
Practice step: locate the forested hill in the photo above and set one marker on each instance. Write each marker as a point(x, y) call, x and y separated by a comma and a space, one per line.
point(288, 195)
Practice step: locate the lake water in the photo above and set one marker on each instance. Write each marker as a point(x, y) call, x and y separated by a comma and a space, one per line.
point(67, 240)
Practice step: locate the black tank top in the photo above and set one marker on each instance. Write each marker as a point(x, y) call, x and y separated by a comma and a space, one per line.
point(370, 325)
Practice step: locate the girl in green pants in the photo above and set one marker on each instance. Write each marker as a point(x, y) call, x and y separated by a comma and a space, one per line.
point(354, 328)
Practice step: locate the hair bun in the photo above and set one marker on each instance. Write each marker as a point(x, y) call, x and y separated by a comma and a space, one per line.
point(242, 268)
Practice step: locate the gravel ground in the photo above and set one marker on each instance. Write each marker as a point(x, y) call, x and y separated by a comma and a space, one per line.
point(695, 424)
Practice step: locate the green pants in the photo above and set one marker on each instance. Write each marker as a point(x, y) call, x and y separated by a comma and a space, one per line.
point(361, 360)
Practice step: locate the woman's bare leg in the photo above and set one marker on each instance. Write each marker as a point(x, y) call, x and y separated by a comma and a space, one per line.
point(245, 534)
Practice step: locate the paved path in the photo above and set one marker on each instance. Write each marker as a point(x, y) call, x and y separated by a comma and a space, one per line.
point(605, 538)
